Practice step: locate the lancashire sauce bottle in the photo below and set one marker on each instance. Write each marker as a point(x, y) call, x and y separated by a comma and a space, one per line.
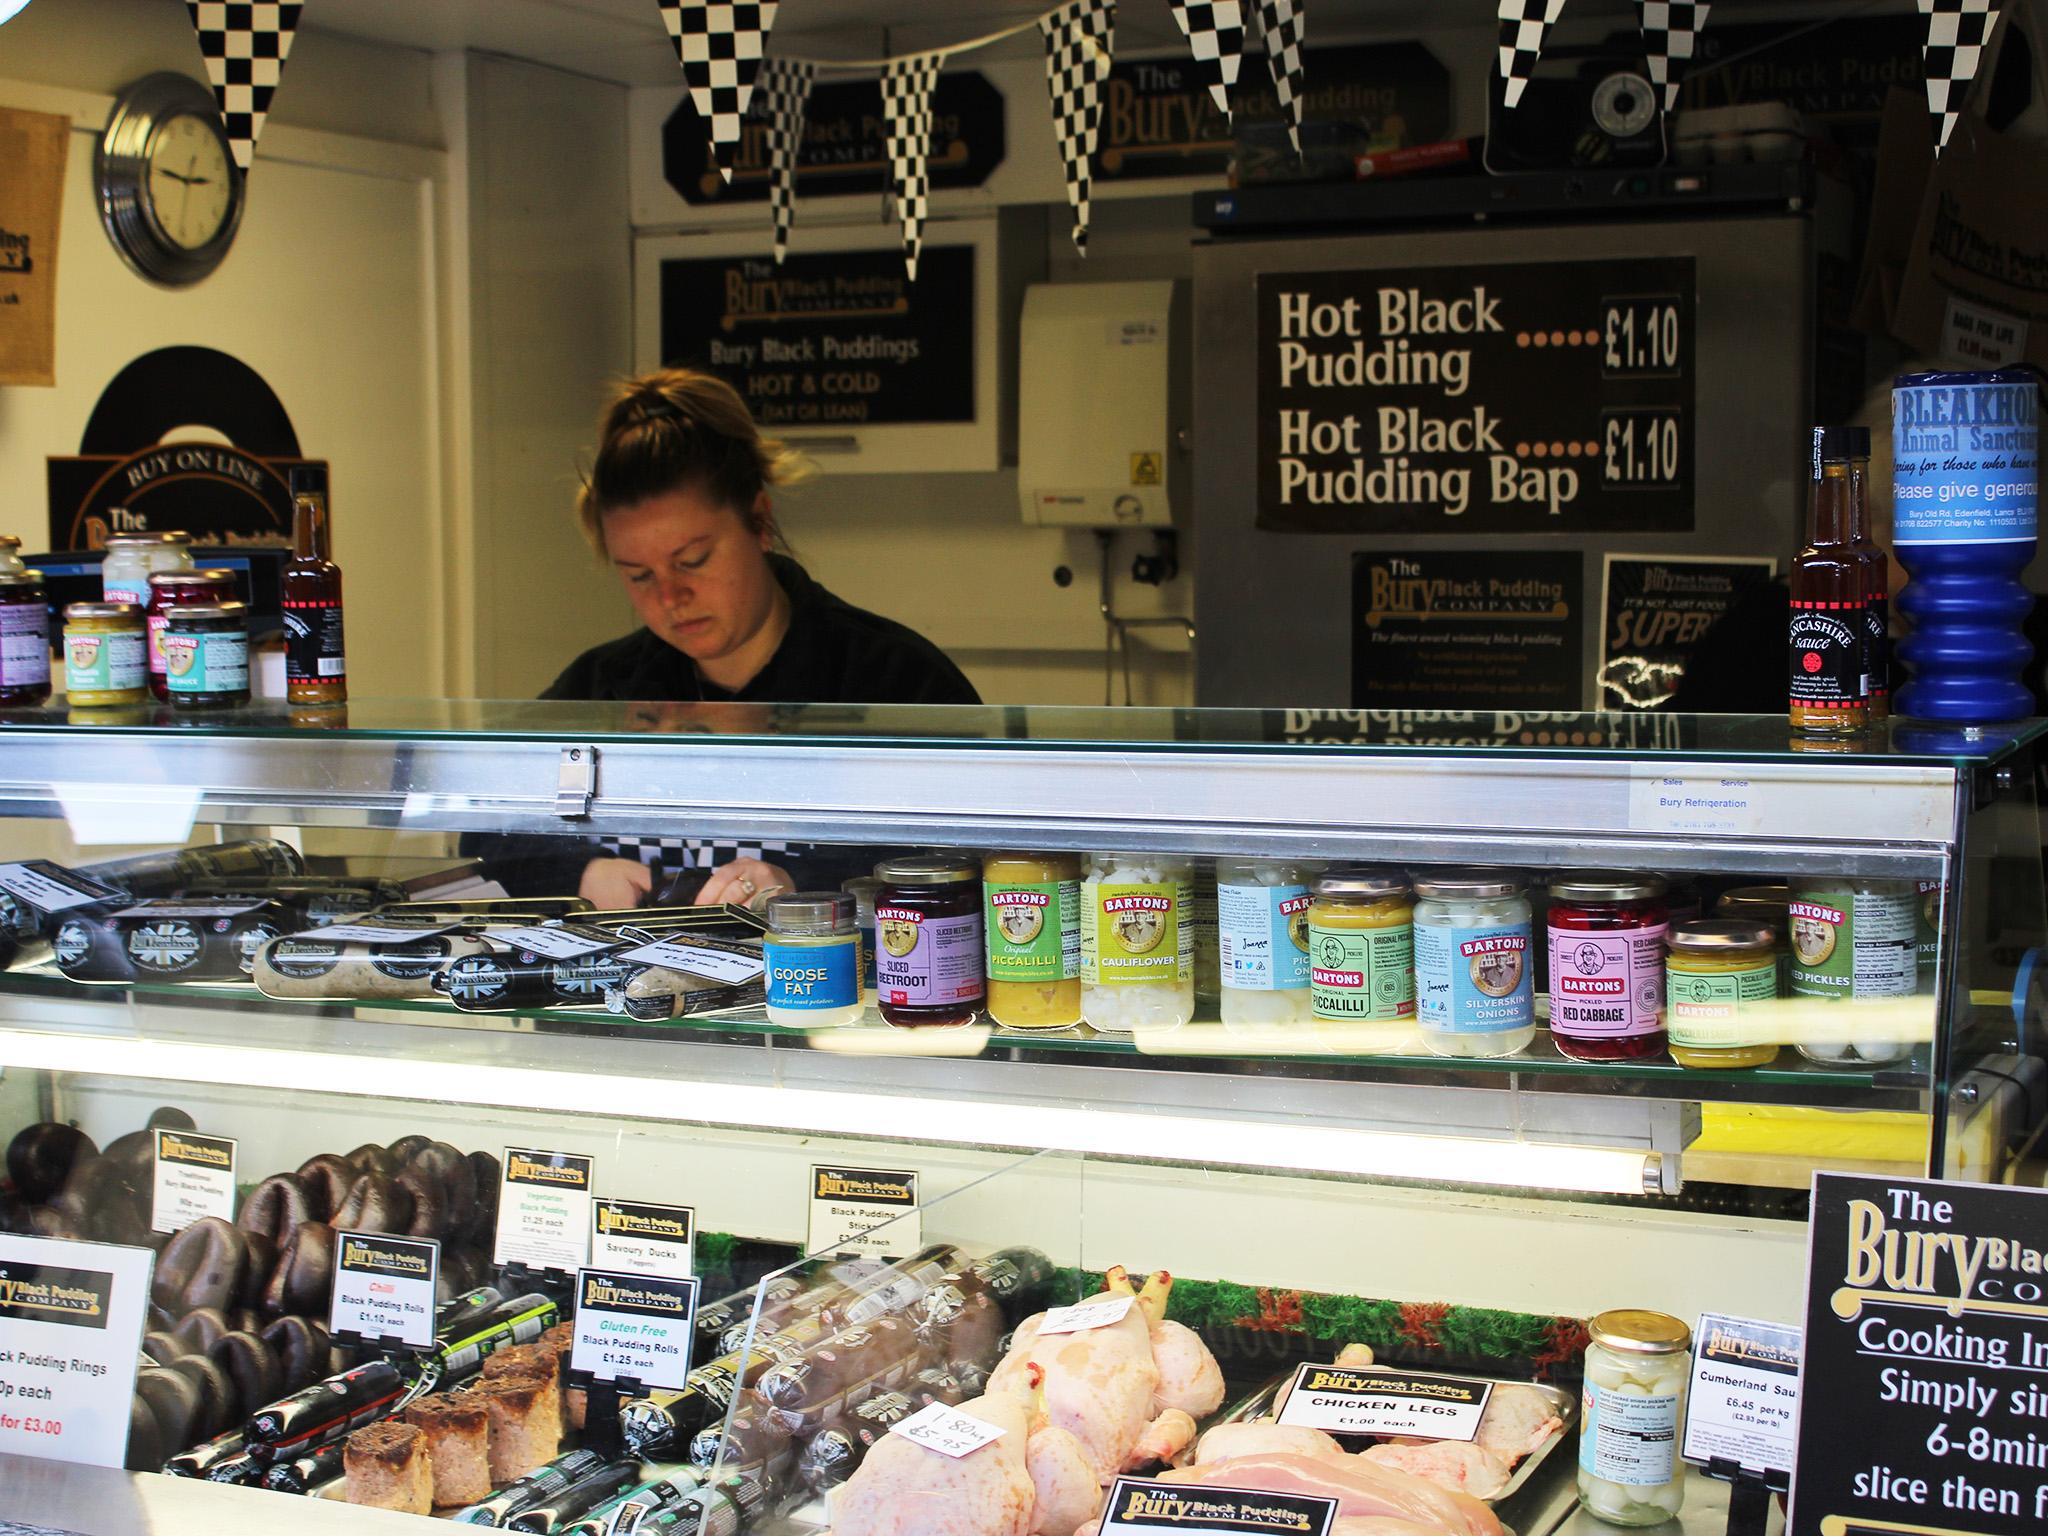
point(1830, 685)
point(316, 660)
point(1877, 587)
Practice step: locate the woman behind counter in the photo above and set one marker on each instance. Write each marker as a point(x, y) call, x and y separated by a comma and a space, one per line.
point(678, 502)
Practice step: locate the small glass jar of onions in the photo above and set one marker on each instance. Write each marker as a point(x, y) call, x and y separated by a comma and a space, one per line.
point(1636, 1367)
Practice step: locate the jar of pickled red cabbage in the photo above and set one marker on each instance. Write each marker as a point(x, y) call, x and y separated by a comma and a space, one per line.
point(1607, 931)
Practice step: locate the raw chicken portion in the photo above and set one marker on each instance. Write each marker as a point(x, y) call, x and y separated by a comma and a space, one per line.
point(902, 1489)
point(1062, 1480)
point(1517, 1422)
point(1189, 1377)
point(1260, 1437)
point(1454, 1464)
point(1355, 1357)
point(1359, 1486)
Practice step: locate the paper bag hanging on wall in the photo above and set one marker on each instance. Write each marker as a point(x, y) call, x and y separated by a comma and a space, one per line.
point(32, 147)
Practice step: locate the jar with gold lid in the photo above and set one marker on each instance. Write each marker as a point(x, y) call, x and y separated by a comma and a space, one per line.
point(1720, 980)
point(1033, 923)
point(105, 661)
point(24, 638)
point(1634, 1402)
point(1361, 950)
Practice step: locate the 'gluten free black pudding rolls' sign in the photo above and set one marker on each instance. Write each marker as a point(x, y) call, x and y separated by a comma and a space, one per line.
point(1925, 1405)
point(1552, 397)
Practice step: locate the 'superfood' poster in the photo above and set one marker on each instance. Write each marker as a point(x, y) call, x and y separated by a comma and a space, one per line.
point(1653, 610)
point(1531, 398)
point(1457, 630)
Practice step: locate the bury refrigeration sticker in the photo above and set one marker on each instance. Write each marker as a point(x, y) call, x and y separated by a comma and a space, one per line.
point(848, 1204)
point(544, 1209)
point(194, 1177)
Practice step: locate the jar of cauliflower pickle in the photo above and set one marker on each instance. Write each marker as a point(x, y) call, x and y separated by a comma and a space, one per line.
point(1474, 992)
point(1033, 922)
point(1361, 949)
point(1720, 978)
point(1636, 1367)
point(1137, 942)
point(1262, 940)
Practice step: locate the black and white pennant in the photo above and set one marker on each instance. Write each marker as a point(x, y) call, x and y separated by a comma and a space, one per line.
point(1957, 31)
point(785, 90)
point(245, 46)
point(1522, 25)
point(720, 44)
point(907, 85)
point(1670, 29)
point(1078, 38)
point(1283, 27)
point(1215, 33)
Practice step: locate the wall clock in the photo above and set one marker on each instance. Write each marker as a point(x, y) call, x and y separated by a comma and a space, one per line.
point(170, 192)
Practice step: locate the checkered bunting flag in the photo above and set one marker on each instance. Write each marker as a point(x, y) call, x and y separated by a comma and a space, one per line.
point(907, 110)
point(1215, 33)
point(720, 44)
point(1522, 25)
point(785, 89)
point(1283, 25)
point(245, 46)
point(1957, 31)
point(1670, 28)
point(1077, 56)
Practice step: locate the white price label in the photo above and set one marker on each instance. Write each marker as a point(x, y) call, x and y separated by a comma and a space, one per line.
point(1341, 1400)
point(544, 1209)
point(71, 1317)
point(384, 1288)
point(947, 1430)
point(551, 943)
point(642, 1239)
point(42, 890)
point(1083, 1316)
point(634, 1328)
point(373, 933)
point(865, 1210)
point(716, 964)
point(1744, 1403)
point(185, 909)
point(194, 1178)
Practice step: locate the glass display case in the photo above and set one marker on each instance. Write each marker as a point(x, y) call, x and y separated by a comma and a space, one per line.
point(1292, 1031)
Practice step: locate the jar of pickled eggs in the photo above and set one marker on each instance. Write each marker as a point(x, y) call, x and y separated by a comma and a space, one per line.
point(1634, 1403)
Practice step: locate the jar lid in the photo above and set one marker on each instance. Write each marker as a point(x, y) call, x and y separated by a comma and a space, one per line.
point(1467, 884)
point(1370, 882)
point(186, 612)
point(1640, 1332)
point(814, 914)
point(928, 869)
point(1720, 933)
point(104, 611)
point(1606, 885)
point(21, 578)
point(862, 885)
point(1758, 901)
point(148, 540)
point(206, 576)
point(9, 541)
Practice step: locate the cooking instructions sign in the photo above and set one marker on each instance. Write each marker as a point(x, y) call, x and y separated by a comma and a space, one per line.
point(1551, 397)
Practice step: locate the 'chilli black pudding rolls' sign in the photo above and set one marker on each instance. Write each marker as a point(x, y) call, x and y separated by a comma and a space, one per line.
point(1927, 1331)
point(1534, 398)
point(843, 339)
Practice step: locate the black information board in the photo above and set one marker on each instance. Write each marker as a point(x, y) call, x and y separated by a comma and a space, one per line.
point(839, 339)
point(1537, 398)
point(1452, 629)
point(1653, 611)
point(1925, 1399)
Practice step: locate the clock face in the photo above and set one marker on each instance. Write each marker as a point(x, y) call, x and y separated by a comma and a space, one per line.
point(190, 180)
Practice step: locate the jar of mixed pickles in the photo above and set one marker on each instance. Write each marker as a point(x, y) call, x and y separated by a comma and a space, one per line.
point(1032, 918)
point(1720, 980)
point(1854, 941)
point(1764, 904)
point(1262, 940)
point(1361, 947)
point(929, 950)
point(1474, 994)
point(170, 589)
point(131, 559)
point(813, 958)
point(24, 638)
point(1636, 1367)
point(1607, 932)
point(206, 655)
point(105, 664)
point(1137, 944)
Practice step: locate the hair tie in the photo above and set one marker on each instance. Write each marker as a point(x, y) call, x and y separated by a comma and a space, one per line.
point(660, 408)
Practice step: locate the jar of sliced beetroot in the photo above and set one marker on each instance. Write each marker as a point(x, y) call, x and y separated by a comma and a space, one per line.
point(1607, 930)
point(929, 950)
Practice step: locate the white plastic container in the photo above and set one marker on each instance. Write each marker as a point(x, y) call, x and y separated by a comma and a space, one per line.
point(812, 950)
point(1475, 992)
point(1137, 942)
point(1262, 940)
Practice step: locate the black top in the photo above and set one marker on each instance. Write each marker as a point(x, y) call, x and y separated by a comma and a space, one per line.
point(834, 653)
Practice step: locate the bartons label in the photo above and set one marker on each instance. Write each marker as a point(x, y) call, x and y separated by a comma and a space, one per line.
point(1138, 904)
point(1816, 912)
point(194, 1150)
point(43, 1293)
point(864, 1185)
point(558, 1170)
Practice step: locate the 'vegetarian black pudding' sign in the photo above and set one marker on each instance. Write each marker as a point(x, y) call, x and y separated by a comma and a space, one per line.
point(1536, 398)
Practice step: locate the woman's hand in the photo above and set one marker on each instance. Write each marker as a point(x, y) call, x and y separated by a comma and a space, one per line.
point(613, 885)
point(745, 883)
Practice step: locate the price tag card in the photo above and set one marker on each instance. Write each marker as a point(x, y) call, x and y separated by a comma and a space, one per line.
point(50, 889)
point(1138, 1505)
point(1341, 1401)
point(384, 1288)
point(641, 1239)
point(1744, 1402)
point(1083, 1316)
point(71, 1318)
point(939, 1427)
point(195, 1178)
point(552, 943)
point(634, 1326)
point(374, 933)
point(847, 1204)
point(732, 967)
point(544, 1209)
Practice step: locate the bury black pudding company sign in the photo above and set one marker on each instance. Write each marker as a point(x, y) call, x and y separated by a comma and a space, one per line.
point(1526, 398)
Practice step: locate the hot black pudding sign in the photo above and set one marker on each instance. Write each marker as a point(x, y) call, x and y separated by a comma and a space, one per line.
point(1925, 1403)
